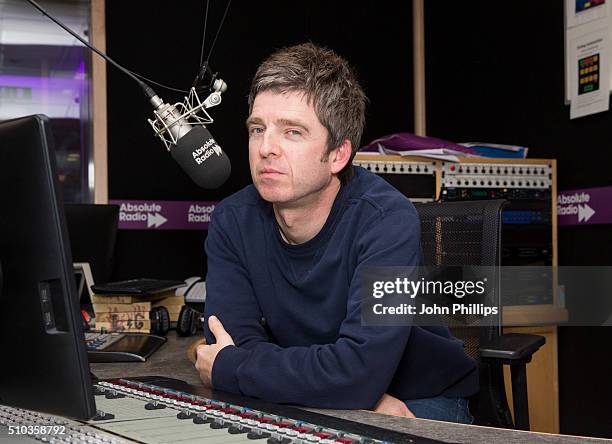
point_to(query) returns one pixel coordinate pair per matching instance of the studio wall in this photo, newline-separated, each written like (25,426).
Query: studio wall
(495,73)
(162,42)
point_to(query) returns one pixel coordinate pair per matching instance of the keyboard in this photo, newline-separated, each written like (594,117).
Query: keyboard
(121,347)
(137,286)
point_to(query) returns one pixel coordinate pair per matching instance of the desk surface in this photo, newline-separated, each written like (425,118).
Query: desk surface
(171,361)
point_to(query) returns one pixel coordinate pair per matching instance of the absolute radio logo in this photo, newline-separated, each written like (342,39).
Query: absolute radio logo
(200,213)
(145,212)
(575,204)
(205,151)
(575,198)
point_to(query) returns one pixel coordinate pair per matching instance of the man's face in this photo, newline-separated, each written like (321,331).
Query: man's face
(286,146)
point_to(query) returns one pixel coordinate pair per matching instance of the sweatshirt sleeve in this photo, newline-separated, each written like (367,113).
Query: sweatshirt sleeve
(352,372)
(234,302)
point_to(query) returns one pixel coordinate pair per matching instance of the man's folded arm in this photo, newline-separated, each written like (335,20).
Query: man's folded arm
(234,301)
(351,373)
(354,371)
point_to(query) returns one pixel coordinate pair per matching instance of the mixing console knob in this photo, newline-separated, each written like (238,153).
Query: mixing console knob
(219,424)
(202,419)
(279,440)
(185,414)
(154,405)
(114,394)
(237,429)
(258,435)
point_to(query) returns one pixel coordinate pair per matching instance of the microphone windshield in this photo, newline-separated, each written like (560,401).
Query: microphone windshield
(201,158)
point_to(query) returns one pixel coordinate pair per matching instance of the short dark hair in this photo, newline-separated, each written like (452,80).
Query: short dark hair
(328,81)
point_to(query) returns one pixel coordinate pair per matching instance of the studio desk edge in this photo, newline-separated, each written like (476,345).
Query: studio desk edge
(171,361)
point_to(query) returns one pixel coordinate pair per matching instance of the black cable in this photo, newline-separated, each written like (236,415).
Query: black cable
(204,33)
(218,31)
(146,88)
(135,76)
(161,85)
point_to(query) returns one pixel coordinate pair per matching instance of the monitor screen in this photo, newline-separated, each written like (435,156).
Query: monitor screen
(84,219)
(44,365)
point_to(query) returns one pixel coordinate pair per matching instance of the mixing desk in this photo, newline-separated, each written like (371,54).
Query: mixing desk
(141,411)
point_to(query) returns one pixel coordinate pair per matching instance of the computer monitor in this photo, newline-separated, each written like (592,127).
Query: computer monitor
(44,365)
(92,231)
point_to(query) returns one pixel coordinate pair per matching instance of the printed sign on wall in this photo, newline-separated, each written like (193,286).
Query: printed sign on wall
(164,214)
(587,206)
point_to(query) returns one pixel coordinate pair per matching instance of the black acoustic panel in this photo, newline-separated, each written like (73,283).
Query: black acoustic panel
(469,105)
(139,165)
(585,366)
(170,254)
(377,41)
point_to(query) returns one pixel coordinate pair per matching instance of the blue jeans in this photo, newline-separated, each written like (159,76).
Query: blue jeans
(441,408)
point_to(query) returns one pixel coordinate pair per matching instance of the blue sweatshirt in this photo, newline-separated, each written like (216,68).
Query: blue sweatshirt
(312,349)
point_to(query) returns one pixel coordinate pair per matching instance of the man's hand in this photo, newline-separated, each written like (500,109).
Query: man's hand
(388,405)
(206,354)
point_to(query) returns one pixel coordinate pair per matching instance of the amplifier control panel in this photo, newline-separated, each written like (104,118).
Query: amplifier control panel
(397,167)
(493,175)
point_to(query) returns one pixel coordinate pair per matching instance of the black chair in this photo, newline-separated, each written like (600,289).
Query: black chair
(469,233)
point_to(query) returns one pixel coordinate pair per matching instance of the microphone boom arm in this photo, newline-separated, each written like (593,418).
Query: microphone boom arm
(195,151)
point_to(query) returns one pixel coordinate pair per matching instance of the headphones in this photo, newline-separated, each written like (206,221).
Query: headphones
(189,319)
(160,321)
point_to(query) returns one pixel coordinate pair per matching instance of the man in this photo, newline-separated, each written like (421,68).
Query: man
(285,256)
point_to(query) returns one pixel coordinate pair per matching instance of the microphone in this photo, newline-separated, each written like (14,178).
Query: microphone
(202,158)
(182,129)
(181,126)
